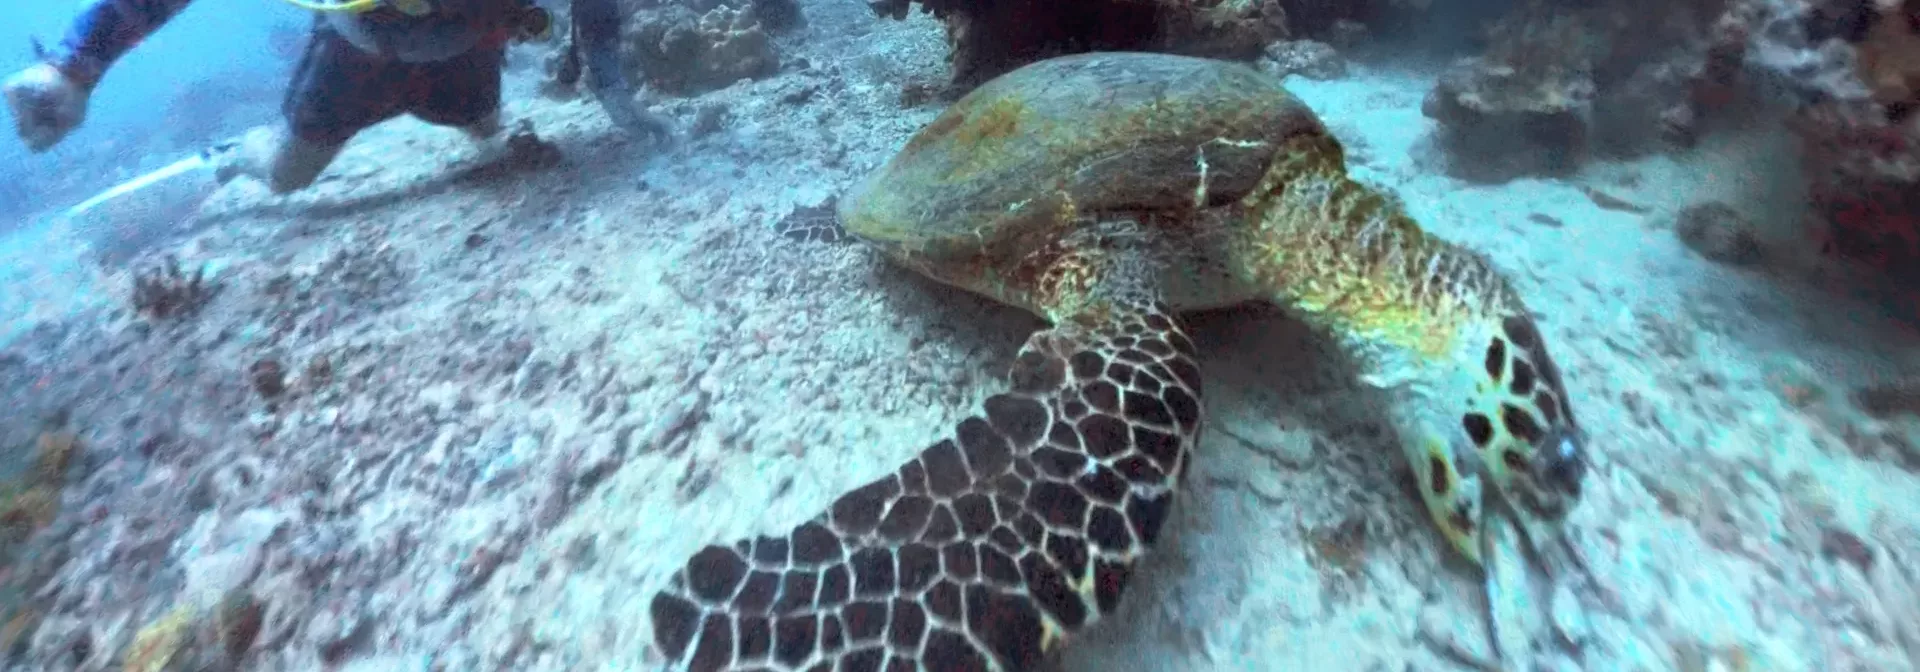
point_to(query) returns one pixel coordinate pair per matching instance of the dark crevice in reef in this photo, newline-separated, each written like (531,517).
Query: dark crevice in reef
(990,37)
(993,36)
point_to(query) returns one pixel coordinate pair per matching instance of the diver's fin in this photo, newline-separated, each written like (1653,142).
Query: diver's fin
(596,33)
(196,162)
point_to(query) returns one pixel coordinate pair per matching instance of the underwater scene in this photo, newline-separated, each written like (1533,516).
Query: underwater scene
(960,335)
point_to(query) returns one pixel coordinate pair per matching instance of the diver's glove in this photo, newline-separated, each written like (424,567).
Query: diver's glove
(46,103)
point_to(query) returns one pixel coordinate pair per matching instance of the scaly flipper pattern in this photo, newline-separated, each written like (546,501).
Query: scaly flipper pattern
(991,547)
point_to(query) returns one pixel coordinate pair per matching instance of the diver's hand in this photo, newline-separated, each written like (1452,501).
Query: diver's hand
(47,104)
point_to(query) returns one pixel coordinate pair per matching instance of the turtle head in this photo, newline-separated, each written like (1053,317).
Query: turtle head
(1520,422)
(1499,418)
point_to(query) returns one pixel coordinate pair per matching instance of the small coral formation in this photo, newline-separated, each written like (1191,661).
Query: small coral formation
(1225,28)
(1718,232)
(1307,58)
(777,15)
(30,501)
(708,120)
(1497,121)
(1888,61)
(268,377)
(522,150)
(1522,106)
(156,644)
(189,637)
(687,48)
(990,37)
(163,292)
(1559,83)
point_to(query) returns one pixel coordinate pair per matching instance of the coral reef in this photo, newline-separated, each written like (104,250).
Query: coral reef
(689,48)
(989,37)
(1857,66)
(1559,82)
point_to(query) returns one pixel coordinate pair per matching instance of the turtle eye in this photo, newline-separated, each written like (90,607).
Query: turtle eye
(1562,465)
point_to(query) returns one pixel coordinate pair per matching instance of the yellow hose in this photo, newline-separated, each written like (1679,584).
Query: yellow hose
(408,7)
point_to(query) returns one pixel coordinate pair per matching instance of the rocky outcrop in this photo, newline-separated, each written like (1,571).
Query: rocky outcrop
(1856,66)
(687,48)
(1558,84)
(1561,82)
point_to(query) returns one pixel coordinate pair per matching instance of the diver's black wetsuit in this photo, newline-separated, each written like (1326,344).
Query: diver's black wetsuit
(339,88)
(364,68)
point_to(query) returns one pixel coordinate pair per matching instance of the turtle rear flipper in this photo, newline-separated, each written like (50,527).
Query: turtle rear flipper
(988,549)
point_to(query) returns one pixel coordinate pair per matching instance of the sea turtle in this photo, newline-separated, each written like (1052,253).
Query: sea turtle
(1105,192)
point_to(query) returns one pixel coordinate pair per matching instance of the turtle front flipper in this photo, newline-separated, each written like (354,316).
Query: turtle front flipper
(1435,324)
(988,549)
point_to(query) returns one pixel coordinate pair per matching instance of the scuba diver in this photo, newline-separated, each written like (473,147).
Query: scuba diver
(366,61)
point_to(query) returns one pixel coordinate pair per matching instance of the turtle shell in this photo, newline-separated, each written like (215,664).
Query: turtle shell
(1048,144)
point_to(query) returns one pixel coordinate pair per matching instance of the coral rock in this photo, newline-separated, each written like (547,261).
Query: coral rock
(677,51)
(157,643)
(1719,233)
(1559,82)
(1307,58)
(1497,121)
